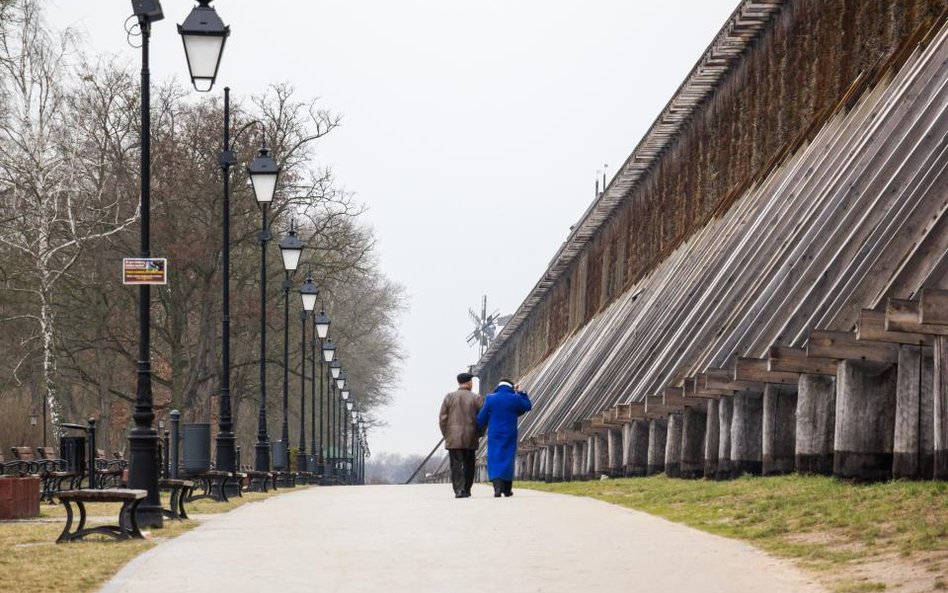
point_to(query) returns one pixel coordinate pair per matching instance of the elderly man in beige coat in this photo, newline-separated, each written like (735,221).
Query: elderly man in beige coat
(459,426)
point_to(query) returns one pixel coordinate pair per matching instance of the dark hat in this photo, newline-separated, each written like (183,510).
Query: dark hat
(506,380)
(464,378)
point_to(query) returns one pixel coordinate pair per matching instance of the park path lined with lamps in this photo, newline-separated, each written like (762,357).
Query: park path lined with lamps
(421,539)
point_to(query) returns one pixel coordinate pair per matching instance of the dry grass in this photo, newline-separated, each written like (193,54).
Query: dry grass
(31,561)
(890,536)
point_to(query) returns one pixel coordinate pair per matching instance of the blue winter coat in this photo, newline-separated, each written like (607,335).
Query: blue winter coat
(499,414)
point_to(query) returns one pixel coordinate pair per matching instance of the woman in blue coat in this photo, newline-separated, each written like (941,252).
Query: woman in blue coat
(499,414)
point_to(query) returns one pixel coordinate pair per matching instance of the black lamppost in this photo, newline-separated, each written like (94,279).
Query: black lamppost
(204,35)
(329,357)
(308,294)
(143,439)
(340,384)
(321,332)
(290,250)
(263,172)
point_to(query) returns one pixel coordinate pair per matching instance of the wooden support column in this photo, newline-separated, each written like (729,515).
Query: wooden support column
(538,464)
(941,408)
(600,455)
(557,463)
(913,445)
(590,457)
(711,439)
(579,461)
(549,463)
(657,431)
(626,448)
(725,408)
(816,424)
(779,429)
(673,446)
(567,462)
(746,420)
(865,419)
(693,424)
(638,454)
(613,439)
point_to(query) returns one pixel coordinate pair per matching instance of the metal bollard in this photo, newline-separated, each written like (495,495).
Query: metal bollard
(173,457)
(92,452)
(166,466)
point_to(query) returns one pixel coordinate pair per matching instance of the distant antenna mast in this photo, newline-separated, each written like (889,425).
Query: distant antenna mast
(605,169)
(598,172)
(485,327)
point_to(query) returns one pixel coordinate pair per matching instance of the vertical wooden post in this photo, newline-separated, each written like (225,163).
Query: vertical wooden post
(712,432)
(779,429)
(913,446)
(725,408)
(638,442)
(816,424)
(657,432)
(746,420)
(673,446)
(865,420)
(557,463)
(691,465)
(940,408)
(614,452)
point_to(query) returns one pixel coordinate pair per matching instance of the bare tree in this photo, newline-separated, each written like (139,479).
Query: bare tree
(56,164)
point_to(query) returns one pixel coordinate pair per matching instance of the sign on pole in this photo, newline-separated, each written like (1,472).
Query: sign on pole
(145,270)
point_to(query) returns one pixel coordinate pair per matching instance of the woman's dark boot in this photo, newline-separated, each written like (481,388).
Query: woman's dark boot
(498,487)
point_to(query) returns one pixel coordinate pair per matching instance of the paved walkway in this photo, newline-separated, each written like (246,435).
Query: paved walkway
(419,539)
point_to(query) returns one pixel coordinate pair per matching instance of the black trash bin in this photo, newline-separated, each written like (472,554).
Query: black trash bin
(73,451)
(197,448)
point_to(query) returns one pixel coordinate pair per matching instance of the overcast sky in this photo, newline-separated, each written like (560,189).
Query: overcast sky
(472,131)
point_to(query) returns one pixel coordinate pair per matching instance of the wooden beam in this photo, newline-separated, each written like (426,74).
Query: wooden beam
(755,370)
(871,327)
(723,380)
(795,360)
(934,307)
(903,315)
(844,345)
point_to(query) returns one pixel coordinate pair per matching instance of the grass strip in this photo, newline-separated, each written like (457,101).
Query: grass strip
(823,523)
(30,560)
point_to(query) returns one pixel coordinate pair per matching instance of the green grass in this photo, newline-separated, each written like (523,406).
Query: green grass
(828,526)
(30,560)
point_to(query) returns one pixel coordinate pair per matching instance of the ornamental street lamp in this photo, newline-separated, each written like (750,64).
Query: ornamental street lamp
(308,294)
(204,35)
(321,331)
(290,250)
(340,382)
(143,440)
(264,173)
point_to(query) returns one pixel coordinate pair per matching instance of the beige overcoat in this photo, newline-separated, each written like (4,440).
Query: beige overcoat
(459,419)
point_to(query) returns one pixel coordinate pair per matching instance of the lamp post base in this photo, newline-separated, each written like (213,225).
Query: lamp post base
(226,460)
(261,464)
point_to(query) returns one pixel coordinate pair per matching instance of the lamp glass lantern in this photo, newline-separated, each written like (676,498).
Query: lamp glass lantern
(341,380)
(204,35)
(322,325)
(329,352)
(335,367)
(308,293)
(291,248)
(263,172)
(345,394)
(33,418)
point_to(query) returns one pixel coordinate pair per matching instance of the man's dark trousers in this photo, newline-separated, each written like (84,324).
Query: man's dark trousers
(462,470)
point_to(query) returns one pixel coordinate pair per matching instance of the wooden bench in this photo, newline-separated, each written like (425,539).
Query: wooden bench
(109,472)
(212,484)
(179,492)
(127,519)
(260,481)
(51,472)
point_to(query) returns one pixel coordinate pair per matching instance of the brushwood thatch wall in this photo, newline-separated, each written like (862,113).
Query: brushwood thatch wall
(811,58)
